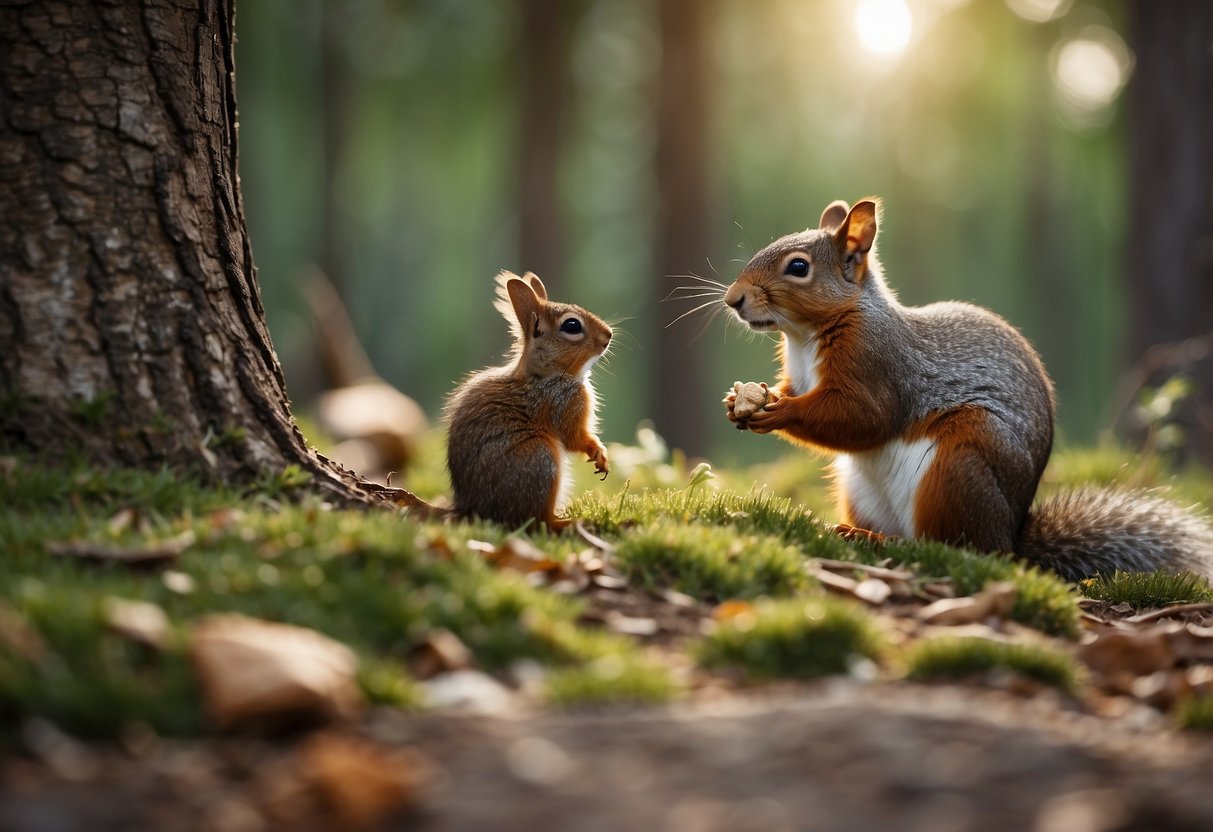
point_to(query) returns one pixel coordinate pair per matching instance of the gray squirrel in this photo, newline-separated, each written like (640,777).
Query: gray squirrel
(941,416)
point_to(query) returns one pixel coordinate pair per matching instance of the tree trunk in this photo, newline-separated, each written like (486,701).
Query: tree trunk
(683,222)
(543,52)
(131,325)
(1170,247)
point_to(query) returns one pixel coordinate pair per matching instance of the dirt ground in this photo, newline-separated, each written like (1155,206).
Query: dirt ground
(836,755)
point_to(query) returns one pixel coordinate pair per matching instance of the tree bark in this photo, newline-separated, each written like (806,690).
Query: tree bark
(543,52)
(131,325)
(683,221)
(1170,247)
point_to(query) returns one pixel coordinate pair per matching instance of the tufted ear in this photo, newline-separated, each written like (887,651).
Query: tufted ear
(504,302)
(540,291)
(833,216)
(855,236)
(525,302)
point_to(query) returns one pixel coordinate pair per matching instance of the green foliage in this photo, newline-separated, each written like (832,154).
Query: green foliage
(611,680)
(93,412)
(375,581)
(1195,713)
(1147,589)
(712,562)
(1042,601)
(949,657)
(795,638)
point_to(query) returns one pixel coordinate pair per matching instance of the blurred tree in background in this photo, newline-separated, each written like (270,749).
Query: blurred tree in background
(415,147)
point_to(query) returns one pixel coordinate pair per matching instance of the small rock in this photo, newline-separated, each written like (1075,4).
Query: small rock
(255,672)
(468,690)
(139,621)
(440,652)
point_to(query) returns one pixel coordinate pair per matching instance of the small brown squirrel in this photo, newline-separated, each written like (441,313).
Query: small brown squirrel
(509,426)
(941,417)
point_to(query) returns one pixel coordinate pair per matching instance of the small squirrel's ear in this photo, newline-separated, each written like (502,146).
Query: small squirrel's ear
(855,236)
(525,303)
(834,214)
(504,304)
(537,285)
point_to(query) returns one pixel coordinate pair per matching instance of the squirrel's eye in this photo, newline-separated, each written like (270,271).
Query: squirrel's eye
(572,326)
(798,267)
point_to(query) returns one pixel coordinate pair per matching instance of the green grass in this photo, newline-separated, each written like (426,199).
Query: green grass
(379,582)
(949,657)
(712,562)
(801,638)
(1195,713)
(611,680)
(1147,589)
(373,580)
(1042,600)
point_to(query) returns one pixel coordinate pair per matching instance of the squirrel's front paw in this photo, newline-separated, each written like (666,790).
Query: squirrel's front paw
(769,417)
(597,454)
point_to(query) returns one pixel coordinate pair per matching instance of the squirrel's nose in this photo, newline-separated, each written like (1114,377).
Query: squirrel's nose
(738,303)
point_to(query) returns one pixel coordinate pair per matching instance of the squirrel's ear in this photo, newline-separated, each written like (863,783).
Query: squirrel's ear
(537,285)
(504,304)
(525,302)
(854,238)
(833,216)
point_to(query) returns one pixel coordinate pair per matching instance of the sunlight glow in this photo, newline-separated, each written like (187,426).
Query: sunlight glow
(1039,11)
(883,26)
(1091,70)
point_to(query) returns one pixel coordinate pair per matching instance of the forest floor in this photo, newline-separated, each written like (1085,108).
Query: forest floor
(700,655)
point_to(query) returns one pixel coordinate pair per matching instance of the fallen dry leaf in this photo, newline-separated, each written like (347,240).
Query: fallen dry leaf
(122,520)
(337,781)
(163,552)
(139,621)
(516,553)
(995,601)
(1191,643)
(732,609)
(1161,689)
(441,651)
(19,636)
(1168,612)
(1120,656)
(263,674)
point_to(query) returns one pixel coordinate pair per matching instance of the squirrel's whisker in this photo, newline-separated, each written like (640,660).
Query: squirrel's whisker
(704,305)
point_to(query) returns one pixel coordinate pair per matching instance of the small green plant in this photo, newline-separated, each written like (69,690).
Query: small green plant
(1147,589)
(1195,713)
(94,411)
(611,680)
(712,562)
(801,638)
(950,657)
(1043,601)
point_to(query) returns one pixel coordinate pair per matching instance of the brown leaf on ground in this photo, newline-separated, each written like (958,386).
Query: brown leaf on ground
(18,635)
(261,674)
(995,601)
(516,553)
(732,609)
(337,781)
(440,652)
(151,555)
(139,621)
(1191,643)
(1118,657)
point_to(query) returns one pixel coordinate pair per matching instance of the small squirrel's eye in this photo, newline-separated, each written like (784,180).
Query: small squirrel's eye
(797,267)
(572,326)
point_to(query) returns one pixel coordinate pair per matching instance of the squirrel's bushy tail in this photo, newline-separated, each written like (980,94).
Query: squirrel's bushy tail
(1099,531)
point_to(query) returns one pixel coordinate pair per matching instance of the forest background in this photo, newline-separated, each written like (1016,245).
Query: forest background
(411,149)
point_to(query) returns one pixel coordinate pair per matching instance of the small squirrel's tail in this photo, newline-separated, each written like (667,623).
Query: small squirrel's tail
(1100,531)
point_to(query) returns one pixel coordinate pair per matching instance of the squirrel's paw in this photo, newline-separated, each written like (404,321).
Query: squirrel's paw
(597,454)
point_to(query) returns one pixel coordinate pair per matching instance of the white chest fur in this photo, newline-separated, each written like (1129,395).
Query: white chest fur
(800,362)
(881,484)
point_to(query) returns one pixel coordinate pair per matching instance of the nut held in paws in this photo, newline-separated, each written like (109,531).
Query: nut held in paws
(751,397)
